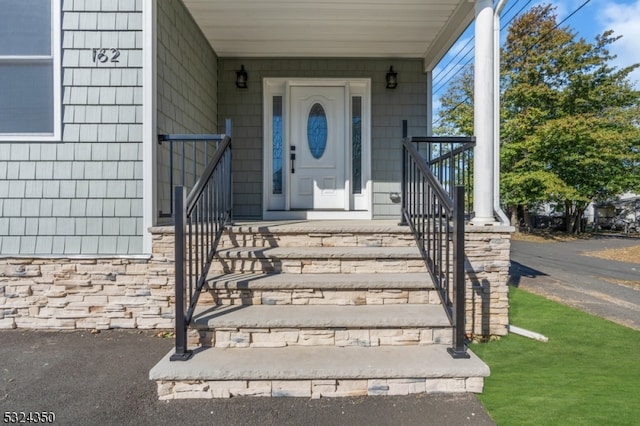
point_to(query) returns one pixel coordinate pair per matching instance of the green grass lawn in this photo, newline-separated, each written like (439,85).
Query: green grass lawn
(587,374)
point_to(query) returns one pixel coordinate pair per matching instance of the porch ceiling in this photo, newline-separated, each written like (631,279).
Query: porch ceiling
(333,28)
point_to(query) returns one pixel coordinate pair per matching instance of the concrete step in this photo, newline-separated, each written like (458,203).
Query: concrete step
(317,289)
(315,260)
(320,325)
(318,372)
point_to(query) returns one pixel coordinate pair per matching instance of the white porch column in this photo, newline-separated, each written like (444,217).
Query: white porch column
(483,115)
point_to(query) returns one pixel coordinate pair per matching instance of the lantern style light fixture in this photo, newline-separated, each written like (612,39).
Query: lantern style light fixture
(392,78)
(241,78)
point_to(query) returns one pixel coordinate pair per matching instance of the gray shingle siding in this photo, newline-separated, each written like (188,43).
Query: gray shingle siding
(83,195)
(389,107)
(62,198)
(187,70)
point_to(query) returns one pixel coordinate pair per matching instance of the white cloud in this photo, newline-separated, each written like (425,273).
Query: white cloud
(437,105)
(623,19)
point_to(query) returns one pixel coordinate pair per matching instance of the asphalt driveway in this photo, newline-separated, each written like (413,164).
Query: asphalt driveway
(561,271)
(102,379)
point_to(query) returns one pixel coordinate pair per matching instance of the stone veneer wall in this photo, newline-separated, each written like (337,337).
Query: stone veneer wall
(102,293)
(487,274)
(86,292)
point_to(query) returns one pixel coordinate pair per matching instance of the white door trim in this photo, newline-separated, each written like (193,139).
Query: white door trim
(277,206)
(149,127)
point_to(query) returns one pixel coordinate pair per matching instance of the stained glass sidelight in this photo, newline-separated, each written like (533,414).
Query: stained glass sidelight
(356,143)
(277,145)
(317,131)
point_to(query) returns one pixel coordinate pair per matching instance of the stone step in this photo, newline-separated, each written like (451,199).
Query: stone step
(318,234)
(362,281)
(322,316)
(317,289)
(318,308)
(314,260)
(321,325)
(316,372)
(232,239)
(319,227)
(319,252)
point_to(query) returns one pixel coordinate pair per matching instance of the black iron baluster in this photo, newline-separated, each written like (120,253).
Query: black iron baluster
(435,216)
(200,219)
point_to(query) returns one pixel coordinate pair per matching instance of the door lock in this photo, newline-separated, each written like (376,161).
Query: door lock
(292,156)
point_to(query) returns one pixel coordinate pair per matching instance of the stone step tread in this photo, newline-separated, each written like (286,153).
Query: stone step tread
(283,281)
(314,362)
(321,227)
(319,253)
(320,316)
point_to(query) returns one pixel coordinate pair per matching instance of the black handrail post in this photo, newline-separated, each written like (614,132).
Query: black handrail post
(181,353)
(228,129)
(171,203)
(458,349)
(230,183)
(403,181)
(403,189)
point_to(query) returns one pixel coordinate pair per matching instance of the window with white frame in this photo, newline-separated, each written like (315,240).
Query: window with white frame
(29,69)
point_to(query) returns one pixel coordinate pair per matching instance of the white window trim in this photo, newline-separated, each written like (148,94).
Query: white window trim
(56,51)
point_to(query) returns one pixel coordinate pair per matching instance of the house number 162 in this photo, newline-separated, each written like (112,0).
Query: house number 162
(101,56)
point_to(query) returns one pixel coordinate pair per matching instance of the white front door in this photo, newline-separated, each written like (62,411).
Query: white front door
(317,148)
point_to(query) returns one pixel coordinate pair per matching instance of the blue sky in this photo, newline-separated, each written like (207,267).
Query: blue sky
(593,18)
(622,16)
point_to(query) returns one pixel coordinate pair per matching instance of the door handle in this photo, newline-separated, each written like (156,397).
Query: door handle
(292,156)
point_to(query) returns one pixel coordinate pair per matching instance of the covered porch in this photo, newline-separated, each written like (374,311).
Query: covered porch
(297,52)
(366,262)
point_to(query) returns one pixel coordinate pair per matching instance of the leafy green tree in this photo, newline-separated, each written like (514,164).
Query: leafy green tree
(569,120)
(456,113)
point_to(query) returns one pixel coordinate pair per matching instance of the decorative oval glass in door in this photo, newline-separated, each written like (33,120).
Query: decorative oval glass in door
(317,131)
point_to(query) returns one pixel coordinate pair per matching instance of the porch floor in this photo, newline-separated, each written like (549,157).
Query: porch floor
(327,226)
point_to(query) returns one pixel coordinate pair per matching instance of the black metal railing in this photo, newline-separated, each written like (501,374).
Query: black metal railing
(182,162)
(450,159)
(436,219)
(200,218)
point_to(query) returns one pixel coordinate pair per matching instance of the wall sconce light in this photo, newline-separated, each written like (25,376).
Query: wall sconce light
(241,78)
(392,78)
